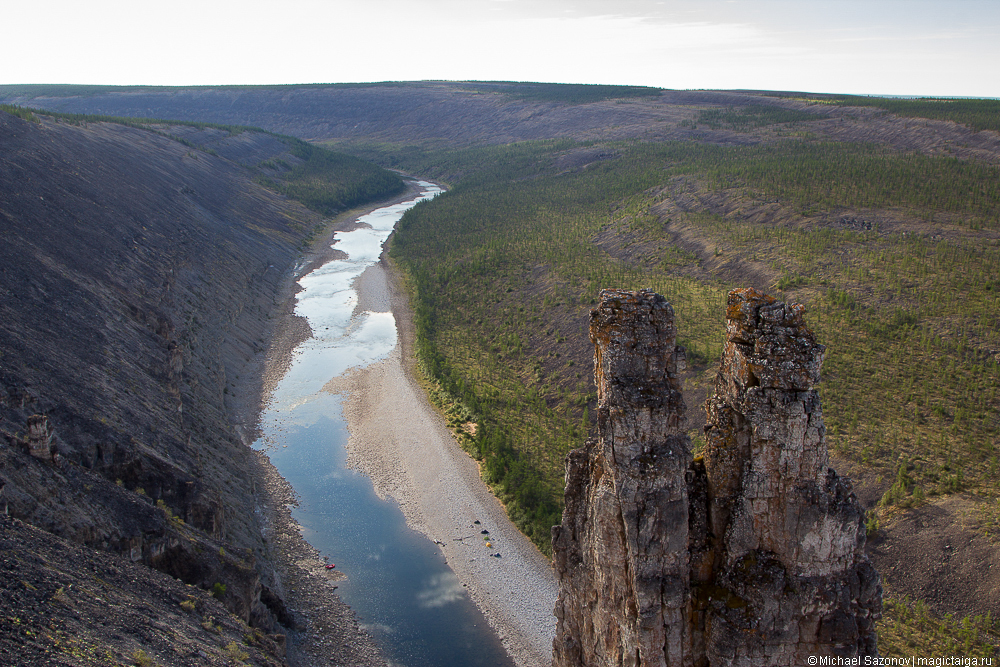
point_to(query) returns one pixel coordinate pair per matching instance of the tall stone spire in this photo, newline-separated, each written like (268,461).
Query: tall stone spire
(751,556)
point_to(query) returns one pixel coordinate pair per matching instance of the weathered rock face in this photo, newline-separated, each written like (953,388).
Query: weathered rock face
(39,439)
(622,548)
(751,556)
(787,532)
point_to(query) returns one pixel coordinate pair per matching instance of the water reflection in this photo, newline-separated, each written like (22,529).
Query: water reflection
(398,582)
(439,590)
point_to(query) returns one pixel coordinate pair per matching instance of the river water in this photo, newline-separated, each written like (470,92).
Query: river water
(398,582)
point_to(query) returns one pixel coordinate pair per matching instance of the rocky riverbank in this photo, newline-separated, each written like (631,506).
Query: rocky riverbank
(325,630)
(403,444)
(400,441)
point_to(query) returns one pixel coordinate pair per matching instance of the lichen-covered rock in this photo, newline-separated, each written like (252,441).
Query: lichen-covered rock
(788,532)
(751,556)
(621,551)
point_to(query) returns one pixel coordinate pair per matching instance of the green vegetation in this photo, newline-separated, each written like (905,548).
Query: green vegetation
(143,659)
(325,181)
(330,182)
(235,653)
(171,517)
(893,254)
(143,123)
(73,90)
(20,112)
(567,93)
(987,514)
(750,117)
(816,176)
(820,176)
(976,113)
(909,628)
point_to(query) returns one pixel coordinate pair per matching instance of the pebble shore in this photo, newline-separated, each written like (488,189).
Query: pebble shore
(399,440)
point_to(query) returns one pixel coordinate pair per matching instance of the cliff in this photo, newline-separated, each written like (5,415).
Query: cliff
(138,276)
(752,555)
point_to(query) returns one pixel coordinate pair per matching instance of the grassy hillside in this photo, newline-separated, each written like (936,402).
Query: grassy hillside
(904,294)
(896,256)
(978,114)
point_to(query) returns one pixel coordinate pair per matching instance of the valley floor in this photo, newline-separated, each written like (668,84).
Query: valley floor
(326,630)
(403,444)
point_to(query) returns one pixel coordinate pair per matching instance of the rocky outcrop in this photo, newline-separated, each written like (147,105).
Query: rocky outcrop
(752,555)
(66,604)
(39,441)
(621,551)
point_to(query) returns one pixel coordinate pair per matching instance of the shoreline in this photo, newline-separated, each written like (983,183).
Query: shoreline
(399,440)
(327,631)
(290,330)
(436,484)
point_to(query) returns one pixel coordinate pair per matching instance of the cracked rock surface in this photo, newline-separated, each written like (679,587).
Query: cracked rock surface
(751,555)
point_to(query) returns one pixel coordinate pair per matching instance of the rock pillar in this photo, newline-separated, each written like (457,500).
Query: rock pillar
(621,551)
(40,437)
(788,533)
(750,556)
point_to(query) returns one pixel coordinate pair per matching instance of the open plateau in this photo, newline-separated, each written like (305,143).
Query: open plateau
(462,373)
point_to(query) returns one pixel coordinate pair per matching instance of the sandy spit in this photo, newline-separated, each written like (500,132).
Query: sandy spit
(399,440)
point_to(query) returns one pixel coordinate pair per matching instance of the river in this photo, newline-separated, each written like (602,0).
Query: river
(398,581)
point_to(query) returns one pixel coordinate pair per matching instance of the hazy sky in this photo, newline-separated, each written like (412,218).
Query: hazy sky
(897,47)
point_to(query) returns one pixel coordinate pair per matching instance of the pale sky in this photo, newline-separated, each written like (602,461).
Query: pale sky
(893,47)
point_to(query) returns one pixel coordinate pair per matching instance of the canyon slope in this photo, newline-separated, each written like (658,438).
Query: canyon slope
(139,274)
